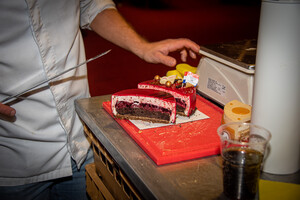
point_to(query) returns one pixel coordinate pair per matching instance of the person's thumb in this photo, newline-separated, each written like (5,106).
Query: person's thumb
(167,60)
(7,110)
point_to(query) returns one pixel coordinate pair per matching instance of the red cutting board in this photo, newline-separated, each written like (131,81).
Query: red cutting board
(178,142)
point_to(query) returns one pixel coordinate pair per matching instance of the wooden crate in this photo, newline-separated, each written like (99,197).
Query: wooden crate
(109,174)
(94,185)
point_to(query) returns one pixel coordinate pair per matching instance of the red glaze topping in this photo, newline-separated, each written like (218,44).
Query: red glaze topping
(177,86)
(146,93)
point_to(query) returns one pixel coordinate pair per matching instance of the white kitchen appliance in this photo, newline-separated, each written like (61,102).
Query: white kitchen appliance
(226,71)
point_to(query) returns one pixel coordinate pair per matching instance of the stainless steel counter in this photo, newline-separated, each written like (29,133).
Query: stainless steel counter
(194,179)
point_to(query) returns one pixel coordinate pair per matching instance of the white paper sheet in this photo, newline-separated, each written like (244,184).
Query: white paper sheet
(179,120)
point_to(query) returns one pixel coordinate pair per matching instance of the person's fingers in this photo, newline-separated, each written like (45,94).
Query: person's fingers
(168,60)
(185,47)
(183,54)
(12,113)
(192,54)
(7,110)
(184,44)
(158,52)
(161,57)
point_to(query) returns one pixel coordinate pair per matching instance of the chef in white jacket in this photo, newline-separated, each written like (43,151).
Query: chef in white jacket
(43,149)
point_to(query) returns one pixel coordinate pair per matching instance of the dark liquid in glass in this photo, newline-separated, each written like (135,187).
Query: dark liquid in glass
(241,171)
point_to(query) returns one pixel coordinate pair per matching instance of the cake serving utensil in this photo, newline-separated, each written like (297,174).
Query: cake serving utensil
(3,101)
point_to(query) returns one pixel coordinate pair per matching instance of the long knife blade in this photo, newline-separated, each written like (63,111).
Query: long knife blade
(3,101)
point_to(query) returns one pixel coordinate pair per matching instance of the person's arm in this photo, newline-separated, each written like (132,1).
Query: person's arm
(110,25)
(7,110)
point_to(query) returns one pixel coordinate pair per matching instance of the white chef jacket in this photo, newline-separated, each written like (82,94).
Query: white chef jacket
(38,40)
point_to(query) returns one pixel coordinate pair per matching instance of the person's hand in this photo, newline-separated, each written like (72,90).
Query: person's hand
(7,110)
(158,52)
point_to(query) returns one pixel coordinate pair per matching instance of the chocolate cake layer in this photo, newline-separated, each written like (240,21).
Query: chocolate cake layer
(148,105)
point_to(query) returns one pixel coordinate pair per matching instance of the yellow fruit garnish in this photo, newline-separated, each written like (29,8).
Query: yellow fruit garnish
(183,67)
(174,72)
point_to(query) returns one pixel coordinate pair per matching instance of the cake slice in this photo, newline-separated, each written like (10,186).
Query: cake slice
(185,96)
(146,105)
